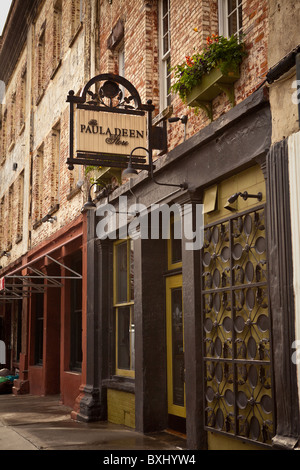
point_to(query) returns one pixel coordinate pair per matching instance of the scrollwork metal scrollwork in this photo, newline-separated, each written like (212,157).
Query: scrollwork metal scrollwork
(241,319)
(110,95)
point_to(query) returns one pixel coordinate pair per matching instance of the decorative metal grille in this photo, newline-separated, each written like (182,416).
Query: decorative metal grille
(236,325)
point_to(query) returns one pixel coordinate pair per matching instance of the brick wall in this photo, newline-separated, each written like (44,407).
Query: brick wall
(64,70)
(84,52)
(13,136)
(141,49)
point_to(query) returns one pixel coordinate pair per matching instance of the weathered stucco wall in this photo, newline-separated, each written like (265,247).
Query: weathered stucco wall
(284,17)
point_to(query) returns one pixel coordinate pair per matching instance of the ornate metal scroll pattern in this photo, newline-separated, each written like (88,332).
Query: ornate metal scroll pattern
(236,325)
(110,95)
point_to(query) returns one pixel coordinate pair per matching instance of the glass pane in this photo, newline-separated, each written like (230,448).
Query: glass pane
(123,338)
(121,266)
(165,25)
(231,6)
(165,43)
(168,81)
(165,6)
(177,348)
(232,24)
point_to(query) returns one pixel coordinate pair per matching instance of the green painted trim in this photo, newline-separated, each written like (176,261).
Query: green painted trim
(210,87)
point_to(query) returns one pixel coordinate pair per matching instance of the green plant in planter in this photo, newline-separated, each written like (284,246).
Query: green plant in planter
(225,54)
(104,175)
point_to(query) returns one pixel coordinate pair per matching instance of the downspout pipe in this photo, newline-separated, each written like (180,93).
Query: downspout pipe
(283,66)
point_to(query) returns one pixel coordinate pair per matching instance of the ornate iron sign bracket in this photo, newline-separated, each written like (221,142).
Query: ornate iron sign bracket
(115,96)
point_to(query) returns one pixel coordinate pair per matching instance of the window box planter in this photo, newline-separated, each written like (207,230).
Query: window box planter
(211,85)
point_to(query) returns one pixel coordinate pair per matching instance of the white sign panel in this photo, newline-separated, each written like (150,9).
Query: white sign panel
(110,133)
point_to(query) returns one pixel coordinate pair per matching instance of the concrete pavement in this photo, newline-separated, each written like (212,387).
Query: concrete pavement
(41,423)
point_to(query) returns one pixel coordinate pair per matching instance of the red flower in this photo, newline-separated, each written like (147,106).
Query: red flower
(189,61)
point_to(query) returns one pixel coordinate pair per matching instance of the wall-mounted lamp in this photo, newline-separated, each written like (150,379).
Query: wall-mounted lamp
(89,204)
(15,166)
(130,172)
(183,119)
(245,195)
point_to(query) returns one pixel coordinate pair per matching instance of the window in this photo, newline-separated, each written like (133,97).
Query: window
(76,317)
(20,211)
(164,53)
(12,118)
(55,165)
(39,329)
(4,138)
(230,18)
(9,218)
(41,65)
(76,17)
(38,185)
(57,33)
(23,99)
(124,307)
(121,60)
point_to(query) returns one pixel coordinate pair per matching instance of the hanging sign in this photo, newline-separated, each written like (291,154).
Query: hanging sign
(109,125)
(109,133)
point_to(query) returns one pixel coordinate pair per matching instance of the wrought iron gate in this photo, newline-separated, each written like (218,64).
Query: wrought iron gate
(236,328)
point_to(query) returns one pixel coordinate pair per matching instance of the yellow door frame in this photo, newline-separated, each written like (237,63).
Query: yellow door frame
(172,282)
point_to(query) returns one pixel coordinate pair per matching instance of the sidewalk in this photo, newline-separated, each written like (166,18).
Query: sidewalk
(29,422)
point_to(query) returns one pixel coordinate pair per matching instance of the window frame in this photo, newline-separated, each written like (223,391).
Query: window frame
(57,34)
(164,57)
(76,20)
(3,137)
(20,210)
(22,111)
(39,184)
(12,120)
(118,305)
(223,18)
(55,173)
(41,65)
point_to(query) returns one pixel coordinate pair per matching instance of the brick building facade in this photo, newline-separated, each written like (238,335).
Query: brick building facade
(214,315)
